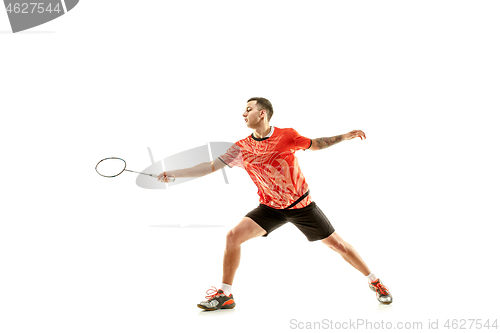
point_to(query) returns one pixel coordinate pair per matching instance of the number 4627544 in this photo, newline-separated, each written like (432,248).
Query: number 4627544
(32,8)
(469,324)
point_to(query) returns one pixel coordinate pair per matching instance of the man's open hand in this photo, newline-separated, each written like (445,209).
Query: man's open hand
(355,134)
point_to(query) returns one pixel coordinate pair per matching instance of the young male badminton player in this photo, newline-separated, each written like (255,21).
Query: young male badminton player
(268,156)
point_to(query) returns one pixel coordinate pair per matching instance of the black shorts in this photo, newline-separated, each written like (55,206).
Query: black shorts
(310,220)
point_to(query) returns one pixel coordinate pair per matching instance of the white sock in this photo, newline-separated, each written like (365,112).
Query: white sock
(226,288)
(371,277)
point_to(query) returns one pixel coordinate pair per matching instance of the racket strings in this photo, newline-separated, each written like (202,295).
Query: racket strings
(111,167)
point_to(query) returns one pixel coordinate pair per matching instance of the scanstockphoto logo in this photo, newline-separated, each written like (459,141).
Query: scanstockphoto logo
(25,15)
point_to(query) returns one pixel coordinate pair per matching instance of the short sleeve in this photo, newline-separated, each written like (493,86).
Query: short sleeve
(301,142)
(233,157)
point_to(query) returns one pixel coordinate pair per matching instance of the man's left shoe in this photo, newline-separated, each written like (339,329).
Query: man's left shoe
(383,294)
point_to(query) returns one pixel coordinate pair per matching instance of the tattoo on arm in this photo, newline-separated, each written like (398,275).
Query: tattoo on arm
(323,143)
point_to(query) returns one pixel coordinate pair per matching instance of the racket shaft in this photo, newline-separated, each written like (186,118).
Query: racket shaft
(146,174)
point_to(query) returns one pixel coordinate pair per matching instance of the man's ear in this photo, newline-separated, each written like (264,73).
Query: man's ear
(263,113)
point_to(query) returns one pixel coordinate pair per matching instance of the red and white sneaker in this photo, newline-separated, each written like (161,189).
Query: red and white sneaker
(216,300)
(383,294)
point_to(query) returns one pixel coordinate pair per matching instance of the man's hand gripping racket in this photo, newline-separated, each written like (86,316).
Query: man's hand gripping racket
(165,178)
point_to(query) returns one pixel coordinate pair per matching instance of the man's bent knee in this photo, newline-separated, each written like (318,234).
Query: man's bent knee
(232,239)
(245,230)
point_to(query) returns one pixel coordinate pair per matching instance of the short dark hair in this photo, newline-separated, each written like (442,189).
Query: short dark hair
(263,104)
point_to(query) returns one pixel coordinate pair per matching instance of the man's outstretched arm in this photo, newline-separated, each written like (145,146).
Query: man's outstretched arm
(322,143)
(199,170)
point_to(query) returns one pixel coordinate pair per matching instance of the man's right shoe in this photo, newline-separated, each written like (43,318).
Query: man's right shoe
(216,300)
(383,294)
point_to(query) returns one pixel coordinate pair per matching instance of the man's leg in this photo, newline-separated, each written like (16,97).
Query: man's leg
(223,299)
(245,230)
(336,243)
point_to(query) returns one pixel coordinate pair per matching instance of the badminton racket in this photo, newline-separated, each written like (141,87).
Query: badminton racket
(111,167)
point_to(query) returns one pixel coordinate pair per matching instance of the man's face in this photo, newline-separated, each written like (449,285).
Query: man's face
(252,114)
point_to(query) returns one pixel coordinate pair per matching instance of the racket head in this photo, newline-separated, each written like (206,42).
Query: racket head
(110,170)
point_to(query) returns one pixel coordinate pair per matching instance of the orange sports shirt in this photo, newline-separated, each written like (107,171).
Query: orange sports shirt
(273,167)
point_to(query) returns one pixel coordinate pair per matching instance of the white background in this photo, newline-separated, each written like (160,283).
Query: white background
(418,199)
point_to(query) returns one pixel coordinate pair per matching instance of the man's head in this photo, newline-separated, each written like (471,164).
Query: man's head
(263,104)
(258,109)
